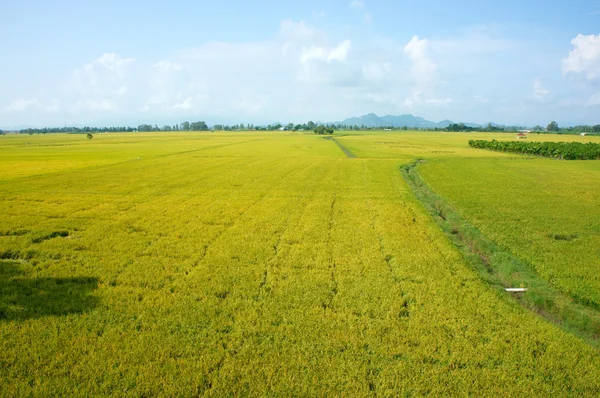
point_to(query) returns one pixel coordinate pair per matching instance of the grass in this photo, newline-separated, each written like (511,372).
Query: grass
(252,264)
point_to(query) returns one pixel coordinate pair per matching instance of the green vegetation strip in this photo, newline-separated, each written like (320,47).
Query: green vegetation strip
(501,269)
(347,151)
(559,150)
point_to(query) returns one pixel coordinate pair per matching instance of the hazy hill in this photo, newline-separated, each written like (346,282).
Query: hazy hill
(372,120)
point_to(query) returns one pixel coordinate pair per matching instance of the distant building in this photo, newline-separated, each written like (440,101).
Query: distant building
(521,136)
(583,134)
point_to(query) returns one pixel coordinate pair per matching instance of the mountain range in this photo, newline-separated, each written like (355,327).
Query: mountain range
(372,120)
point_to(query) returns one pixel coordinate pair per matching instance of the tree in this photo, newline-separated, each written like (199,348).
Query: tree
(290,126)
(310,125)
(185,126)
(198,126)
(553,126)
(596,128)
(320,129)
(89,136)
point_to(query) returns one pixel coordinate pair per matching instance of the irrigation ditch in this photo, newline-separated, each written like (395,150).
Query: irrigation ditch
(501,269)
(346,151)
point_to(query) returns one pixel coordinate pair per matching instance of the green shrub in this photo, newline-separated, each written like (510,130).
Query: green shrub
(559,150)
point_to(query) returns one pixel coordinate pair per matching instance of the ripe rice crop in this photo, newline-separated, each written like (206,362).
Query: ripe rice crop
(545,211)
(223,264)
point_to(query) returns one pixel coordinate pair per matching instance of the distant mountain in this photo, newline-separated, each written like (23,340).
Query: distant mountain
(372,120)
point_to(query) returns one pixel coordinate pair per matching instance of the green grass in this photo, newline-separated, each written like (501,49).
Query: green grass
(252,264)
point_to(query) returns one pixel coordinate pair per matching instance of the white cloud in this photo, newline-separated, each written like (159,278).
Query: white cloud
(594,99)
(102,104)
(423,70)
(164,83)
(53,106)
(122,90)
(584,59)
(381,98)
(301,31)
(413,99)
(471,43)
(376,70)
(571,103)
(21,104)
(357,4)
(185,104)
(360,5)
(101,85)
(112,62)
(167,66)
(105,76)
(252,104)
(438,101)
(337,53)
(539,90)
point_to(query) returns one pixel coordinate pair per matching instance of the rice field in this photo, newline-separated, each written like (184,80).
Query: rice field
(546,211)
(220,264)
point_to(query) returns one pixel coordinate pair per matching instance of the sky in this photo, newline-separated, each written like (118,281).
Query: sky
(105,63)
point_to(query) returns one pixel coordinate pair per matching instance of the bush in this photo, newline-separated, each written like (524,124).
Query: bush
(559,150)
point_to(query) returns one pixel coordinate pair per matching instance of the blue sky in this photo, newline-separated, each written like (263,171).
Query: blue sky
(117,62)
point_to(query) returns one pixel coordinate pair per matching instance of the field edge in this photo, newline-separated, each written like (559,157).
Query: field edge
(501,269)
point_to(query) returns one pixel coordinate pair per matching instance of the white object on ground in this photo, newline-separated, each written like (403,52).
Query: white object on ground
(516,289)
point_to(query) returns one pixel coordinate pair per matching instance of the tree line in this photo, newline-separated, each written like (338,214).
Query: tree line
(309,126)
(185,126)
(45,130)
(553,127)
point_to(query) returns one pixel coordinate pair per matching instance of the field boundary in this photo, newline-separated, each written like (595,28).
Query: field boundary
(346,151)
(501,269)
